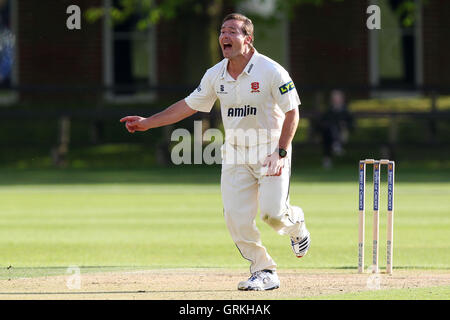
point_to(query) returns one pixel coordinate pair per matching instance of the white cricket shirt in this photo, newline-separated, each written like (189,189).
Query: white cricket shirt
(253,103)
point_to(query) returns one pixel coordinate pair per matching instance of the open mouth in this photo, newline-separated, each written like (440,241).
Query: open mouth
(227,46)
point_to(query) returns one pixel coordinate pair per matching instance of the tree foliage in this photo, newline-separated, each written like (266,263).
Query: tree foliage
(152,12)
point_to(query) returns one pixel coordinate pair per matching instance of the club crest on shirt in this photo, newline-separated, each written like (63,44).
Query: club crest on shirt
(255,87)
(287,87)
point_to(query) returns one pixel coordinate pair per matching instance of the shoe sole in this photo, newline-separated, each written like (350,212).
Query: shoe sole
(258,289)
(309,245)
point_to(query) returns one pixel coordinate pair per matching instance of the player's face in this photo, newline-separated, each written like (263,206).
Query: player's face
(232,39)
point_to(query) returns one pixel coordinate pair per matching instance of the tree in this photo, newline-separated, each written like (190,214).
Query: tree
(153,11)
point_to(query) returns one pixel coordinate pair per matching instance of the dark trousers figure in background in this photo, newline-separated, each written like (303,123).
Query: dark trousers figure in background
(335,125)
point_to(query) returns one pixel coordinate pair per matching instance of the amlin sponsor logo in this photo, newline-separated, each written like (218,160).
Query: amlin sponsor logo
(241,112)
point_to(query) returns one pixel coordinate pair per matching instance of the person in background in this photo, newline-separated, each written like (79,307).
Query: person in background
(335,124)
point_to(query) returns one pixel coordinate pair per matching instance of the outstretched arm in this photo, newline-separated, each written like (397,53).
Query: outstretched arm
(176,112)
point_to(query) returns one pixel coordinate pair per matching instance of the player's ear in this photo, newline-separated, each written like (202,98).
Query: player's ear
(248,40)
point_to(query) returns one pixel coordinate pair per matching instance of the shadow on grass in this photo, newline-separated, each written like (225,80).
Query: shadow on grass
(33,272)
(112,292)
(200,174)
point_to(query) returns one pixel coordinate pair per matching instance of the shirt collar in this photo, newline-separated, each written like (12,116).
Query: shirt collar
(251,64)
(223,72)
(248,68)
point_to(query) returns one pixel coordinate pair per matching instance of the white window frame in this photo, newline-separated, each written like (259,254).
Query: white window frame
(13,96)
(108,62)
(373,46)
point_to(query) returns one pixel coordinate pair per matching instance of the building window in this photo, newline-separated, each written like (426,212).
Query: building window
(7,52)
(396,58)
(130,59)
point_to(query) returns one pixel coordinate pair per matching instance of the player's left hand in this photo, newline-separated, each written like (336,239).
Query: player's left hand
(274,163)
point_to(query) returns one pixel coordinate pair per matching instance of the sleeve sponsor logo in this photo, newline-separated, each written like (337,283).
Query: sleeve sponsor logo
(286,87)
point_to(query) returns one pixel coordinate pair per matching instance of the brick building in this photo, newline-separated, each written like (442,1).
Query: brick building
(327,45)
(331,45)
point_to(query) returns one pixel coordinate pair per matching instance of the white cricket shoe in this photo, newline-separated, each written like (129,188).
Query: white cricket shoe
(301,243)
(261,280)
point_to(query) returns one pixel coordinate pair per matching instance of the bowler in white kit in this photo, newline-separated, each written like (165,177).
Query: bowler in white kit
(259,106)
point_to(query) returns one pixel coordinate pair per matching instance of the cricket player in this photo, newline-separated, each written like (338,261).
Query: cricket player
(256,95)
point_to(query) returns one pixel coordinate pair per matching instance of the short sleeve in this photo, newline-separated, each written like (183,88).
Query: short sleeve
(284,91)
(203,97)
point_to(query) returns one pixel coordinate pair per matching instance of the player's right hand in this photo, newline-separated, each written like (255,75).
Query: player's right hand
(135,123)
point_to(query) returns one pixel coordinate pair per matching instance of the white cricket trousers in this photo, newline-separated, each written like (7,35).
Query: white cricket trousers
(244,189)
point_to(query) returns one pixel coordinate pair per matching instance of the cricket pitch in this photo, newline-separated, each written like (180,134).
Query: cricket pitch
(213,284)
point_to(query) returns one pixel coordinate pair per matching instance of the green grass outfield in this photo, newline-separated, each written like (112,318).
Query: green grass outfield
(173,218)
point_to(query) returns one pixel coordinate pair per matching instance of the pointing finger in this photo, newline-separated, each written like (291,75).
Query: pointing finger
(128,118)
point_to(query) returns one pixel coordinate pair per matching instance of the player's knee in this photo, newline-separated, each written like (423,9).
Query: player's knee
(272,215)
(274,222)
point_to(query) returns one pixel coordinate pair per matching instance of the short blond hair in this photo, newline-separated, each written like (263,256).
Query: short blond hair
(247,27)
